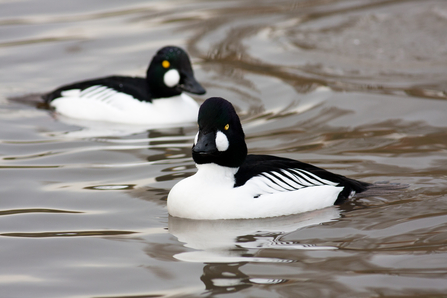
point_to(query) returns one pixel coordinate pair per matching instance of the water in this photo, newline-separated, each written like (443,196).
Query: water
(356,87)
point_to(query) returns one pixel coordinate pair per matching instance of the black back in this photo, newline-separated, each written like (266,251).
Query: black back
(137,87)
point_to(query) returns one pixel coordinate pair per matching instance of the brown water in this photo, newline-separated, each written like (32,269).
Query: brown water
(356,87)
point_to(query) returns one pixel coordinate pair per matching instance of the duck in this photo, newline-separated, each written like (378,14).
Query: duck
(157,99)
(232,184)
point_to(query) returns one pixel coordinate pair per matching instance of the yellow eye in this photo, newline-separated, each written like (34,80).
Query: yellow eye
(227,127)
(165,63)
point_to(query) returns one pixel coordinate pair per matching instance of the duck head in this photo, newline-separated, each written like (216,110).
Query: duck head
(170,73)
(220,139)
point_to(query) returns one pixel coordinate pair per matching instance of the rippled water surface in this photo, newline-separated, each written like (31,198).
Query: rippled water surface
(356,87)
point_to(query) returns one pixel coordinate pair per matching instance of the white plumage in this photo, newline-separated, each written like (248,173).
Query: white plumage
(105,104)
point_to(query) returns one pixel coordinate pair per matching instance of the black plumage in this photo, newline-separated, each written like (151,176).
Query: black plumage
(134,86)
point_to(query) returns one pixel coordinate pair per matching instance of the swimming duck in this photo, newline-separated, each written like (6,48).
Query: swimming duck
(156,99)
(230,184)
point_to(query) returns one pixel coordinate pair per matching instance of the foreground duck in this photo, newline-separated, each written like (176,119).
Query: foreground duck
(230,184)
(156,99)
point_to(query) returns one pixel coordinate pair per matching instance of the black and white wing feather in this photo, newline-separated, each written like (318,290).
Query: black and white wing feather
(275,174)
(291,179)
(101,89)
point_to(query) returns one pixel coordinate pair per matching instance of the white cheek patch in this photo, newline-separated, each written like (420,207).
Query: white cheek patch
(196,138)
(171,78)
(221,141)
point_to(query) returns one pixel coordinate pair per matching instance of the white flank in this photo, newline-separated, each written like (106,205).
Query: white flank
(104,104)
(209,194)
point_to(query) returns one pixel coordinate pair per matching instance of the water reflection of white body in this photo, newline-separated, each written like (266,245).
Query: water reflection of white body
(224,241)
(93,129)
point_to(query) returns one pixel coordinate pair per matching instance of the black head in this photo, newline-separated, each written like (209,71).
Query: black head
(220,139)
(170,73)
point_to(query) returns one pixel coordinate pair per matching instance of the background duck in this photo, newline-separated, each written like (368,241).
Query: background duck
(156,99)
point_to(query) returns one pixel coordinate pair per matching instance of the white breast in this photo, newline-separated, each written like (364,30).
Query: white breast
(104,104)
(209,194)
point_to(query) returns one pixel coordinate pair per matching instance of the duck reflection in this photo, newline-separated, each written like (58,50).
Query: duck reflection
(222,278)
(217,241)
(94,129)
(227,245)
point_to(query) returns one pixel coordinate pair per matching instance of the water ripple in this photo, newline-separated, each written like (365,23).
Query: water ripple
(68,234)
(35,210)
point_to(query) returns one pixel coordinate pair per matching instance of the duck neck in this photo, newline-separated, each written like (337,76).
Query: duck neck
(216,174)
